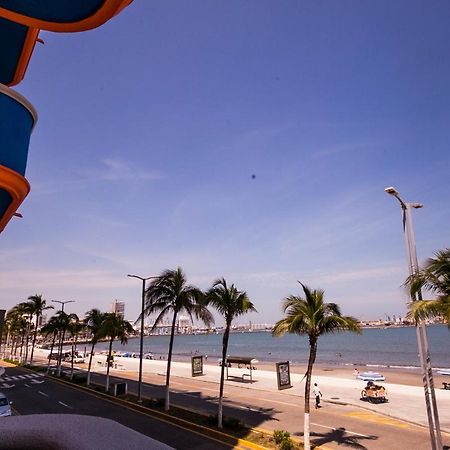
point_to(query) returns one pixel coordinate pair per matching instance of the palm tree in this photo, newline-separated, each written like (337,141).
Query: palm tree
(37,306)
(20,315)
(313,317)
(64,321)
(94,320)
(230,303)
(167,294)
(52,327)
(17,326)
(75,327)
(114,327)
(435,278)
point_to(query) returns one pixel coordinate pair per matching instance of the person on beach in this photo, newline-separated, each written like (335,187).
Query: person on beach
(317,394)
(356,373)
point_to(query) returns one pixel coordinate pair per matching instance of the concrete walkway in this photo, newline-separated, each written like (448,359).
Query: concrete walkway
(405,402)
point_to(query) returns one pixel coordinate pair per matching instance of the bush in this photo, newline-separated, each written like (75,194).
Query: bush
(232,423)
(286,444)
(280,435)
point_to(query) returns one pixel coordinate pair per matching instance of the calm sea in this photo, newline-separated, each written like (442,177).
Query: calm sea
(396,347)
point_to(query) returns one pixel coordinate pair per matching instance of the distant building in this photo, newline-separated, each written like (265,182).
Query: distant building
(118,307)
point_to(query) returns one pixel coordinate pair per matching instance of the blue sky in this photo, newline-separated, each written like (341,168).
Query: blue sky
(151,127)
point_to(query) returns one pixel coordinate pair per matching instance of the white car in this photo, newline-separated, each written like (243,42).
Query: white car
(5,406)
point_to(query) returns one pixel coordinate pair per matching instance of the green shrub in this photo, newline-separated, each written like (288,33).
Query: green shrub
(280,435)
(286,444)
(232,423)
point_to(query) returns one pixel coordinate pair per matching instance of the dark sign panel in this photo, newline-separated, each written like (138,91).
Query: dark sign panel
(283,375)
(120,389)
(197,366)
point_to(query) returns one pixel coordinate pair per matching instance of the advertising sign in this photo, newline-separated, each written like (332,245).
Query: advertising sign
(197,366)
(283,375)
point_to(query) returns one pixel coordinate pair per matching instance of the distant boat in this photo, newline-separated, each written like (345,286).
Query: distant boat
(370,376)
(444,372)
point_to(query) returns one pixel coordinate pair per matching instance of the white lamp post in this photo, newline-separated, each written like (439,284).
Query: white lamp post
(421,330)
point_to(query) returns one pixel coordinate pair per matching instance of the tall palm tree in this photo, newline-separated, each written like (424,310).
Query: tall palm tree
(75,328)
(17,327)
(52,327)
(37,305)
(230,303)
(114,327)
(64,321)
(170,294)
(20,315)
(93,320)
(313,317)
(435,278)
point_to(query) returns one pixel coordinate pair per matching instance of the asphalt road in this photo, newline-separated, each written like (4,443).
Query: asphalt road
(335,426)
(33,394)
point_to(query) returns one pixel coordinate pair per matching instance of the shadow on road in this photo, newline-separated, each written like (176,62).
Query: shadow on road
(340,437)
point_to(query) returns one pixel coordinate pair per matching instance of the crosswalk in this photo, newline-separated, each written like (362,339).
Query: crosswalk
(29,376)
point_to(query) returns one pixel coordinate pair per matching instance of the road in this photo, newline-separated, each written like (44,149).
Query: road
(336,426)
(33,394)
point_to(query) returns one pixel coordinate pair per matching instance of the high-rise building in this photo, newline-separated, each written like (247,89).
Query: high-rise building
(118,307)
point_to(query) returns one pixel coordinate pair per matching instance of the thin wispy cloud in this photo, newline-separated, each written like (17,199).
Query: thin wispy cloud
(48,279)
(116,169)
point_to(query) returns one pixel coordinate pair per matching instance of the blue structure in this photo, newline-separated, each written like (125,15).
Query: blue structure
(20,23)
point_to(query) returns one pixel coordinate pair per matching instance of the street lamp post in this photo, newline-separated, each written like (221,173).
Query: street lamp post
(61,339)
(421,330)
(141,344)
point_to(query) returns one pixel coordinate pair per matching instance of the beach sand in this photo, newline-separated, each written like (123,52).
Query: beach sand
(408,377)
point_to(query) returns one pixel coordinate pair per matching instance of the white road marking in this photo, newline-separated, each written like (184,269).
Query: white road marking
(26,385)
(7,386)
(43,393)
(334,429)
(67,406)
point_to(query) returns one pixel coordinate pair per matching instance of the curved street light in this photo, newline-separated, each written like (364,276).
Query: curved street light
(141,343)
(421,330)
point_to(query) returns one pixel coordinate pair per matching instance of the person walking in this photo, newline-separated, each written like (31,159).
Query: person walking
(317,394)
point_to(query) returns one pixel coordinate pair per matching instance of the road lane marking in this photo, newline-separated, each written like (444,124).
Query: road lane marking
(67,406)
(27,385)
(43,393)
(375,418)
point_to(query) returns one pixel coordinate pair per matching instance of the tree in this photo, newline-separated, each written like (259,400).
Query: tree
(17,327)
(230,303)
(37,306)
(114,327)
(53,327)
(435,278)
(75,327)
(167,294)
(20,321)
(64,321)
(313,317)
(94,321)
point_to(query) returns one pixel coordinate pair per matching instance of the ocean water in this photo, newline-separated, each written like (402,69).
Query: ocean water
(394,347)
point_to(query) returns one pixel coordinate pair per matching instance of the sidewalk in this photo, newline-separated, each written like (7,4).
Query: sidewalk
(405,402)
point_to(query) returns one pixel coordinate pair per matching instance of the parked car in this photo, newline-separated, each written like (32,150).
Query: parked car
(5,406)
